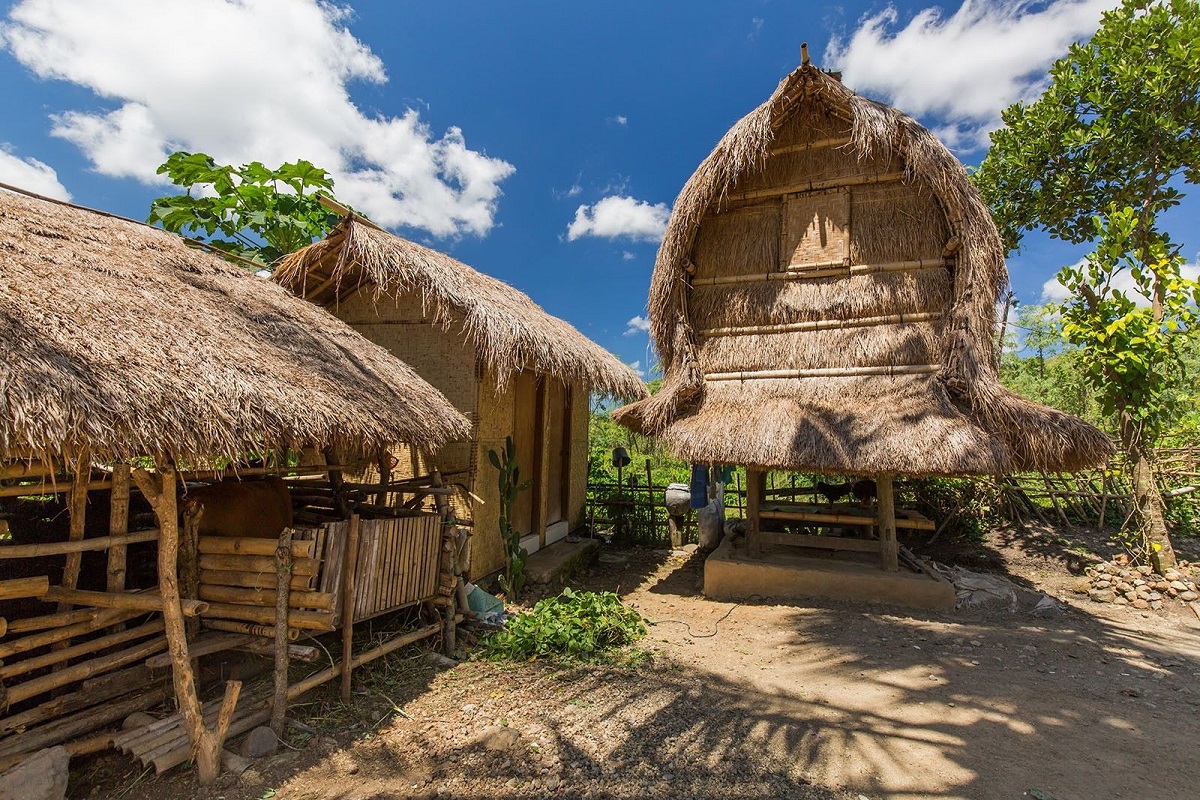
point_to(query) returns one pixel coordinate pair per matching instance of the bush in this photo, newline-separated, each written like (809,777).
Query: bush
(575,626)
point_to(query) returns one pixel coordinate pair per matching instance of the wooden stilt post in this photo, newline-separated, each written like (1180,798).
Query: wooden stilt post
(206,744)
(349,570)
(675,526)
(189,563)
(283,580)
(889,548)
(385,476)
(118,525)
(77,506)
(337,483)
(756,485)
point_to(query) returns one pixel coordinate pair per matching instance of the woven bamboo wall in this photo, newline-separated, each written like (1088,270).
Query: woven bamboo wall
(398,562)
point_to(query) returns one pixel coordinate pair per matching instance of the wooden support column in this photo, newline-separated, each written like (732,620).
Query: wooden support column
(349,575)
(77,506)
(384,459)
(675,527)
(206,744)
(118,526)
(889,548)
(337,483)
(756,488)
(283,580)
(189,563)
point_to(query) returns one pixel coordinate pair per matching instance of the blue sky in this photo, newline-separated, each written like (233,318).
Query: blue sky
(541,142)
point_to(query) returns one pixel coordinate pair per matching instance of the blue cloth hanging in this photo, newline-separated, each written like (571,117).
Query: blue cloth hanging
(724,474)
(699,485)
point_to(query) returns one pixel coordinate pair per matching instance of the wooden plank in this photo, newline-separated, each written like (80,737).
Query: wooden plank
(348,579)
(821,542)
(911,519)
(230,545)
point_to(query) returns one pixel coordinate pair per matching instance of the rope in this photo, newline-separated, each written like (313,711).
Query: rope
(716,625)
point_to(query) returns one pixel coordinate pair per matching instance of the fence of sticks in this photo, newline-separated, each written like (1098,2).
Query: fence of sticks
(634,510)
(89,554)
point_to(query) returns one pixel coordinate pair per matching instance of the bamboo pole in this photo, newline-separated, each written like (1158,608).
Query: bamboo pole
(89,625)
(118,528)
(248,580)
(15,588)
(231,563)
(86,669)
(836,141)
(126,601)
(825,372)
(27,469)
(90,692)
(321,601)
(216,643)
(835,269)
(235,626)
(77,546)
(283,572)
(824,324)
(66,654)
(305,620)
(886,508)
(229,545)
(38,489)
(805,187)
(350,564)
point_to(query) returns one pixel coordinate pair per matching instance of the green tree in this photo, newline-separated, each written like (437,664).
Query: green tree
(250,212)
(1098,158)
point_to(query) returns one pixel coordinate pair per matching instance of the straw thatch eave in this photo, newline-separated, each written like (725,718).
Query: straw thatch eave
(837,424)
(120,340)
(510,331)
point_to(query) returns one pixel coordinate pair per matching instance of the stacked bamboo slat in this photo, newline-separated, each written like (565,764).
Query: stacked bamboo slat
(238,582)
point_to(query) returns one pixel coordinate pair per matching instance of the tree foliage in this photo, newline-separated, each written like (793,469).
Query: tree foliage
(251,212)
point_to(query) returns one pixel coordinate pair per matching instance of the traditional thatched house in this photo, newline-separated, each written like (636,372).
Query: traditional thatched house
(513,369)
(128,356)
(825,300)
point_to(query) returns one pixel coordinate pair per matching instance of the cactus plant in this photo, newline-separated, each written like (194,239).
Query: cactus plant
(513,579)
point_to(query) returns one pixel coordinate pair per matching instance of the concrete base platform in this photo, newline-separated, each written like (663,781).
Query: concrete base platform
(792,573)
(554,564)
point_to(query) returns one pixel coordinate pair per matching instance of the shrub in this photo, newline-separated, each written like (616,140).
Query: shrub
(575,626)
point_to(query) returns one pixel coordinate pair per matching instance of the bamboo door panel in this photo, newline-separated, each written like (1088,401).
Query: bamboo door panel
(398,563)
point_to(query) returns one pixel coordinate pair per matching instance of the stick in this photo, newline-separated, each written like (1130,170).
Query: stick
(66,654)
(230,545)
(306,620)
(142,601)
(15,588)
(350,564)
(105,663)
(322,601)
(283,572)
(77,504)
(118,528)
(265,631)
(93,623)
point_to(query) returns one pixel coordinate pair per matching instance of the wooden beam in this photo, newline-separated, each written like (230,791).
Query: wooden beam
(822,542)
(825,324)
(825,372)
(818,144)
(756,486)
(831,269)
(118,527)
(77,506)
(817,186)
(78,546)
(283,576)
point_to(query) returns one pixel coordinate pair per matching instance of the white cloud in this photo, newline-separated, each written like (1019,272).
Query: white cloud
(628,256)
(966,68)
(620,217)
(638,324)
(756,24)
(1055,292)
(636,366)
(268,82)
(30,174)
(619,119)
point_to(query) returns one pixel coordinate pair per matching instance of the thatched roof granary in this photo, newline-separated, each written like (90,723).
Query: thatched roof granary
(122,340)
(509,330)
(825,297)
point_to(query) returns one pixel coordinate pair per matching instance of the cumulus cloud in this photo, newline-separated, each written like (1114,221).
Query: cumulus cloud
(619,119)
(30,174)
(620,217)
(628,256)
(269,82)
(963,69)
(638,324)
(1055,292)
(636,366)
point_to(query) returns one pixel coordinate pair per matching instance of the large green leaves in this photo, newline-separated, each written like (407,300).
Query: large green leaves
(252,212)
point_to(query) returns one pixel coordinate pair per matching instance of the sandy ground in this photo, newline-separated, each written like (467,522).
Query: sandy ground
(764,700)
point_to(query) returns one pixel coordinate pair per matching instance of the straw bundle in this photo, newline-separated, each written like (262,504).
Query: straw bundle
(824,299)
(510,331)
(120,339)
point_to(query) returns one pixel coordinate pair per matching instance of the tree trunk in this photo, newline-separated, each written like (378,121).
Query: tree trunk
(1147,499)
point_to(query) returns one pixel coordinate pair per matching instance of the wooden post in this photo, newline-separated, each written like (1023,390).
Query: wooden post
(756,486)
(889,548)
(337,483)
(189,563)
(283,579)
(77,505)
(206,745)
(118,525)
(349,569)
(675,526)
(385,476)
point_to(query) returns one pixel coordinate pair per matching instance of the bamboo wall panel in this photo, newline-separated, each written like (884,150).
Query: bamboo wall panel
(398,562)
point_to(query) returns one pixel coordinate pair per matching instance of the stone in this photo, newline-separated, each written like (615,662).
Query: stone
(1179,586)
(259,742)
(1139,582)
(1124,588)
(1145,569)
(1189,596)
(1140,603)
(42,776)
(1172,575)
(1100,595)
(1121,601)
(137,719)
(1082,585)
(499,738)
(1130,595)
(234,763)
(1156,604)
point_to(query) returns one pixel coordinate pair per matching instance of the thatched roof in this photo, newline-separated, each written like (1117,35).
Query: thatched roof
(510,331)
(120,338)
(824,299)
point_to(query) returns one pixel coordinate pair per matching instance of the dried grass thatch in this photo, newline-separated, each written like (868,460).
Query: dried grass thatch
(120,339)
(818,213)
(510,331)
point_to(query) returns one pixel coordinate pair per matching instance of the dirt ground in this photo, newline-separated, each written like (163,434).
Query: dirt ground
(766,700)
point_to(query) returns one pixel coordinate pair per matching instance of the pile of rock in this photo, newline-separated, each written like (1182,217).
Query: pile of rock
(1141,587)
